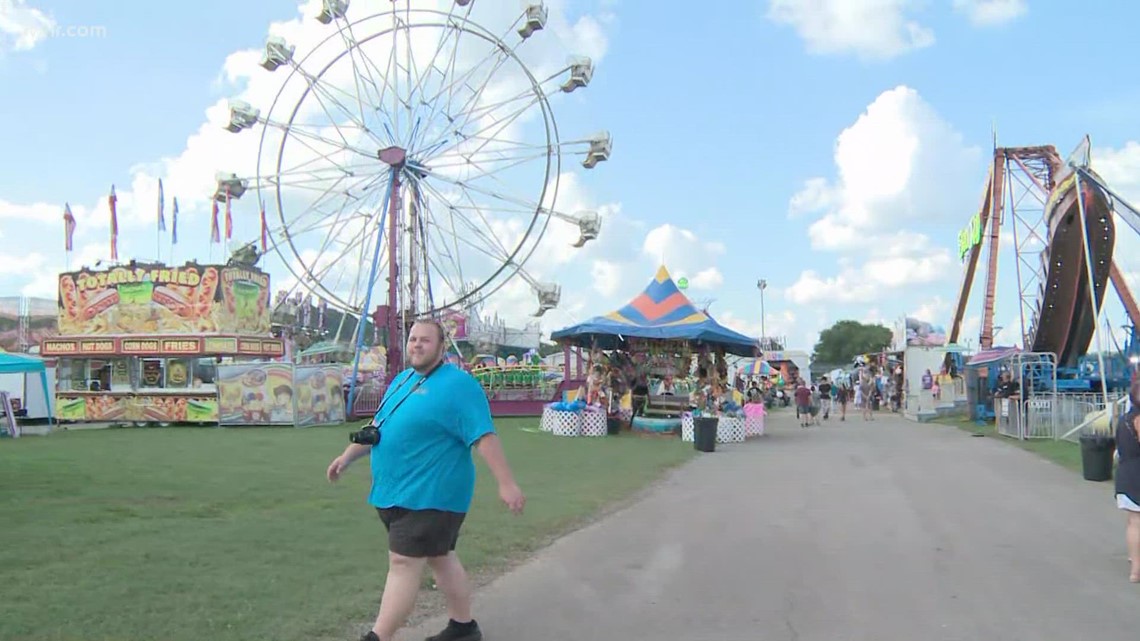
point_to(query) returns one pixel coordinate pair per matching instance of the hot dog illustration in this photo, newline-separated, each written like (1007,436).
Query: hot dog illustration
(100,302)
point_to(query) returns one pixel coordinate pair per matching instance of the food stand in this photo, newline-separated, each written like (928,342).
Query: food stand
(142,342)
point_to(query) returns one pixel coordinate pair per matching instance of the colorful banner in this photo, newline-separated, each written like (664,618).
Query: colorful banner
(156,299)
(154,408)
(455,324)
(320,397)
(255,394)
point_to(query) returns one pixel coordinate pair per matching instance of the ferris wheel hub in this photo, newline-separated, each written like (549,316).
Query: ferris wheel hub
(393,156)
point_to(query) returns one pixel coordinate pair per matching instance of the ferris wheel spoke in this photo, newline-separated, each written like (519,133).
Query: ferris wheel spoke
(316,206)
(338,261)
(496,126)
(502,54)
(499,54)
(490,158)
(481,232)
(486,192)
(480,291)
(355,48)
(495,171)
(326,190)
(527,94)
(323,160)
(324,90)
(298,131)
(449,29)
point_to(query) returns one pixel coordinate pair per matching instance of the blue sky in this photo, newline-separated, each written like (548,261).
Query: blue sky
(832,147)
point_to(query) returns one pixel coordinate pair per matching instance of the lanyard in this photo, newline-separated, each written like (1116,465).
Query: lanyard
(415,386)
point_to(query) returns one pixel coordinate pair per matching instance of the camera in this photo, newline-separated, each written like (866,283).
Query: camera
(368,435)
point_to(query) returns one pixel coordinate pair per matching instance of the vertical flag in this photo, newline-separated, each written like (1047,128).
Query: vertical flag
(68,226)
(174,223)
(161,207)
(215,235)
(229,218)
(112,201)
(264,231)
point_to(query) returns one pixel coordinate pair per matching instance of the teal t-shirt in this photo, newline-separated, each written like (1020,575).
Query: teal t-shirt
(423,460)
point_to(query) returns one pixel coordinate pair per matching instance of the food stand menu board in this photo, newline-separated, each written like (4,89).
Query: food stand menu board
(155,345)
(158,408)
(153,298)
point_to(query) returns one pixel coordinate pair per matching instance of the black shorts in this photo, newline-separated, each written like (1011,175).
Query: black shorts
(421,533)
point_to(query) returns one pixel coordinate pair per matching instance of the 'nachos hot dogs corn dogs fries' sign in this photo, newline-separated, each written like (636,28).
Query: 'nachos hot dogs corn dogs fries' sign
(157,299)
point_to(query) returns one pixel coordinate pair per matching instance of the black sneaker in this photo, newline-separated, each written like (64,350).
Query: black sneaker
(371,636)
(456,631)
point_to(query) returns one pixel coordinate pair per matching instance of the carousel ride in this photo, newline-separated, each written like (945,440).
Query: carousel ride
(410,163)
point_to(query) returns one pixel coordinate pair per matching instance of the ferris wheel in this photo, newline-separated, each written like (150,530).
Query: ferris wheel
(411,158)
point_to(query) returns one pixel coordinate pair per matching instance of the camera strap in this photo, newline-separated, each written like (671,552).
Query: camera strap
(403,398)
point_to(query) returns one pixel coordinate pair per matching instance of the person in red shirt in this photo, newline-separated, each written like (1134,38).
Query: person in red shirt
(803,402)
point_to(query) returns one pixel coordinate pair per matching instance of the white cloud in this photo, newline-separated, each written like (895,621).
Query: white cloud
(776,324)
(870,29)
(900,161)
(685,255)
(1120,169)
(22,27)
(607,277)
(935,311)
(986,13)
(707,279)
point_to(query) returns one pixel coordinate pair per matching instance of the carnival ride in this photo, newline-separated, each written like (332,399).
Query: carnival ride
(416,142)
(1063,218)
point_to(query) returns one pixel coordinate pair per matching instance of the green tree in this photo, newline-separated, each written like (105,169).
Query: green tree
(847,339)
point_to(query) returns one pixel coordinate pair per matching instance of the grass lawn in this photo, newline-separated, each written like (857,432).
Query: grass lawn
(1062,453)
(235,535)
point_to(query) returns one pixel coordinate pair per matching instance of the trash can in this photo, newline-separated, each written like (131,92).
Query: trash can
(704,433)
(613,425)
(1096,456)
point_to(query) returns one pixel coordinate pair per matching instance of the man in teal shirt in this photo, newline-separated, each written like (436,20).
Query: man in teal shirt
(423,479)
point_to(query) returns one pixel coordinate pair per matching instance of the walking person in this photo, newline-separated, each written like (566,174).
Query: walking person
(841,397)
(423,480)
(816,404)
(1128,476)
(803,403)
(867,389)
(825,393)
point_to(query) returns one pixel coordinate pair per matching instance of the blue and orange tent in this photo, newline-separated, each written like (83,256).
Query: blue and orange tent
(660,311)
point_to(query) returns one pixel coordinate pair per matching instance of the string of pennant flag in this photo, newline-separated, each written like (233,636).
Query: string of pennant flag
(69,223)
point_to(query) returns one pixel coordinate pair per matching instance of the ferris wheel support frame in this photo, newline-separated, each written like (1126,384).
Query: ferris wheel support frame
(388,200)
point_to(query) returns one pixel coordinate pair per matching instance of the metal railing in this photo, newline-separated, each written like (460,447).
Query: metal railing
(1057,416)
(1085,411)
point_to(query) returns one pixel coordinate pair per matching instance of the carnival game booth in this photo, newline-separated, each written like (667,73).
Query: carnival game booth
(143,342)
(983,372)
(659,332)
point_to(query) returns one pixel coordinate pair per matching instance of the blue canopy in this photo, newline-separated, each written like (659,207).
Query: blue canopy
(23,363)
(660,311)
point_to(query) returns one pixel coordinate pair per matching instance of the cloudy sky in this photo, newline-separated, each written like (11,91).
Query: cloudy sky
(831,147)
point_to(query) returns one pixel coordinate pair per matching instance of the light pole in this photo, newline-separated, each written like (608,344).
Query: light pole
(762,285)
